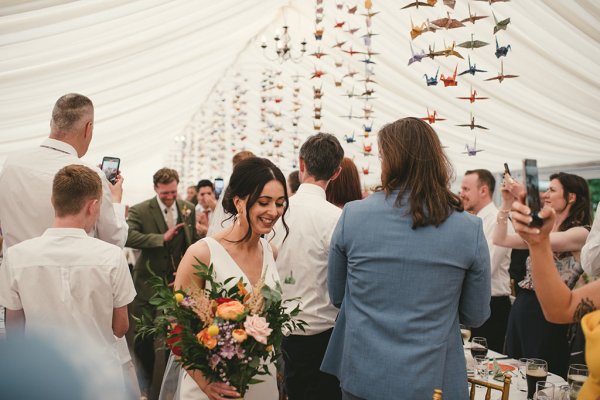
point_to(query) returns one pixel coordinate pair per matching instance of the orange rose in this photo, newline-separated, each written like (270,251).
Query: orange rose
(231,310)
(239,335)
(206,339)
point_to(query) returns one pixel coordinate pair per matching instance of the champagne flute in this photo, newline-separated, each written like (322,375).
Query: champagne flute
(479,347)
(537,371)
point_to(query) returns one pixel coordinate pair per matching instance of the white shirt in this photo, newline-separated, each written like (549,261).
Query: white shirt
(26,187)
(164,208)
(304,254)
(499,256)
(590,253)
(67,279)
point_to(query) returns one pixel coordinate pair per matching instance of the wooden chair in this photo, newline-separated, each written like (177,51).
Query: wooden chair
(437,394)
(505,389)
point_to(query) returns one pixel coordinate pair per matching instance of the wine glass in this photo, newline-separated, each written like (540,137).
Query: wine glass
(536,371)
(522,368)
(479,347)
(544,391)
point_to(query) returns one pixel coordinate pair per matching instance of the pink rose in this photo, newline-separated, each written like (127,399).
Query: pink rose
(258,328)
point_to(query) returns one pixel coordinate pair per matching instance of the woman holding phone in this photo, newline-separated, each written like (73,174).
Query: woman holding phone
(559,303)
(529,334)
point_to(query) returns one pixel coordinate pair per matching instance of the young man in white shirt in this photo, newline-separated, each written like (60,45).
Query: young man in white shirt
(477,189)
(302,265)
(65,278)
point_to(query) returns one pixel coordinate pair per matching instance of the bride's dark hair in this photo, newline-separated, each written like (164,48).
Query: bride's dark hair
(248,179)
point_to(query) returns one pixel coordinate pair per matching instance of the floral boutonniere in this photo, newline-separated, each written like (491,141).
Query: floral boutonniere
(186,211)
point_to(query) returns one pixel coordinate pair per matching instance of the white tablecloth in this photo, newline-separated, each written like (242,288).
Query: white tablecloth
(515,393)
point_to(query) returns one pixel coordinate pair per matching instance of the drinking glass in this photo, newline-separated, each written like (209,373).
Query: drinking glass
(479,347)
(522,369)
(563,393)
(576,376)
(536,371)
(481,367)
(544,391)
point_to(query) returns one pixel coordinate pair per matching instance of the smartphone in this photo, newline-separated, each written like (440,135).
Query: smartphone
(219,185)
(506,169)
(530,172)
(110,167)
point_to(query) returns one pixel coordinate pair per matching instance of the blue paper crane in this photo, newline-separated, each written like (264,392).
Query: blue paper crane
(432,81)
(501,51)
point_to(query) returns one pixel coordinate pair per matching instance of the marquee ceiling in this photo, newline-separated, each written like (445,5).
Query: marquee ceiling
(182,83)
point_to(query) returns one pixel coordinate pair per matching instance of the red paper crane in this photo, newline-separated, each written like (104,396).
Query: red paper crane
(501,76)
(432,118)
(317,74)
(339,25)
(473,96)
(449,80)
(352,52)
(367,148)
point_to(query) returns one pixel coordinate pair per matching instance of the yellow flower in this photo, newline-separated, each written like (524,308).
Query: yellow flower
(213,330)
(178,297)
(242,288)
(269,348)
(239,335)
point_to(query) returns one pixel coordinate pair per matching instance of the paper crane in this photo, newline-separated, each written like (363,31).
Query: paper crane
(349,116)
(500,25)
(338,44)
(421,29)
(473,96)
(472,17)
(349,139)
(416,4)
(448,23)
(494,1)
(473,44)
(317,92)
(350,93)
(415,57)
(352,31)
(317,73)
(501,76)
(432,118)
(472,125)
(352,52)
(449,80)
(350,73)
(365,170)
(472,151)
(319,33)
(352,10)
(472,69)
(432,81)
(339,25)
(318,54)
(449,51)
(450,3)
(367,148)
(501,51)
(368,129)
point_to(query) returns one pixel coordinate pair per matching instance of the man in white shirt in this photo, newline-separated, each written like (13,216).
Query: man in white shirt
(477,189)
(205,208)
(26,181)
(302,264)
(66,279)
(590,253)
(26,178)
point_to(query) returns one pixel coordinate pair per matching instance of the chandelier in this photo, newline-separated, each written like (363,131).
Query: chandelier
(283,48)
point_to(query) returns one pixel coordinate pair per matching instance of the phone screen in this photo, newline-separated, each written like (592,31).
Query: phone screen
(110,167)
(506,169)
(219,185)
(530,171)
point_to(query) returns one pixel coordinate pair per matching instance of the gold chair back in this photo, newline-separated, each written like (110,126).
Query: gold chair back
(437,394)
(505,388)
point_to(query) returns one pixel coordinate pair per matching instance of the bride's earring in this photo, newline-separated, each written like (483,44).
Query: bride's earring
(239,220)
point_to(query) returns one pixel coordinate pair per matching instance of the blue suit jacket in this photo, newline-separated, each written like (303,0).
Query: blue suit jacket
(402,292)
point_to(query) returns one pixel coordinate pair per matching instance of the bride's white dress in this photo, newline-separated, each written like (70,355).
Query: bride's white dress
(225,267)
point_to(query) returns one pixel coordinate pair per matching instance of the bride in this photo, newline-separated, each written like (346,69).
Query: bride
(257,198)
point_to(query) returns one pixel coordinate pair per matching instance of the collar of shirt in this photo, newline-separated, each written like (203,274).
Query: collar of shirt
(61,232)
(311,189)
(163,208)
(487,210)
(59,146)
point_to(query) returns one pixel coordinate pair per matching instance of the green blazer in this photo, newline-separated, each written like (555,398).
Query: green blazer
(146,228)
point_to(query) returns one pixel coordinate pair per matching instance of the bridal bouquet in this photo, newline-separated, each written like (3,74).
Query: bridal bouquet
(230,335)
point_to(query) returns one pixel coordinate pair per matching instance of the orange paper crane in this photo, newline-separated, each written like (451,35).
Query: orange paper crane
(432,118)
(449,51)
(421,29)
(473,96)
(449,80)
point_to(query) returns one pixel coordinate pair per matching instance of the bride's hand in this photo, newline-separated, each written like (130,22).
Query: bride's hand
(220,391)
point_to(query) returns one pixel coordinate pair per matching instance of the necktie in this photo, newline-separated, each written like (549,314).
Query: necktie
(206,214)
(170,219)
